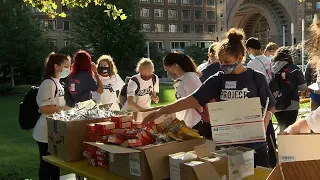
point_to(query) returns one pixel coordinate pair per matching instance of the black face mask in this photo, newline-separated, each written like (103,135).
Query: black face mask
(103,70)
(146,78)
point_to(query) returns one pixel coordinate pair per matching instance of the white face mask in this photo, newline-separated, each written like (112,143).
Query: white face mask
(251,56)
(64,73)
(270,57)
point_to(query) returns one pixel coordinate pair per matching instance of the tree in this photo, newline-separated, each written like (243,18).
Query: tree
(198,54)
(50,7)
(157,55)
(22,46)
(93,31)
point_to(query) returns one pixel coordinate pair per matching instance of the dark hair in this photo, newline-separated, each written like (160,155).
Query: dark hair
(51,60)
(233,44)
(185,62)
(284,53)
(253,43)
(81,62)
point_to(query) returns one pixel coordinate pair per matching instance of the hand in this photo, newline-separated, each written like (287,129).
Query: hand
(94,68)
(287,131)
(283,75)
(155,99)
(151,117)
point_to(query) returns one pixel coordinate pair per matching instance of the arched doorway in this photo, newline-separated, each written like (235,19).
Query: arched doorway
(263,19)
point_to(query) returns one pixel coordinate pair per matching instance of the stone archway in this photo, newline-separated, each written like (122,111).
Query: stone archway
(264,16)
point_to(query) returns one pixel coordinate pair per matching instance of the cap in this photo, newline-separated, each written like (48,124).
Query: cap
(253,43)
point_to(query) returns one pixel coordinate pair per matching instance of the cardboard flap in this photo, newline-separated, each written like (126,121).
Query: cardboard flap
(206,171)
(275,174)
(237,160)
(115,149)
(202,151)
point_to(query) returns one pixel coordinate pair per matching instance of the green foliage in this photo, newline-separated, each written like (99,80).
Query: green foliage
(50,7)
(198,54)
(10,172)
(5,88)
(157,55)
(93,31)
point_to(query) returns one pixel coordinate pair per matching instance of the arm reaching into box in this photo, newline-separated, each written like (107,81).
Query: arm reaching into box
(133,105)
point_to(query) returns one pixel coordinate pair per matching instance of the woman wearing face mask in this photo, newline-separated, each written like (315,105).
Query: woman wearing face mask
(271,50)
(112,83)
(81,82)
(50,99)
(235,82)
(183,71)
(142,88)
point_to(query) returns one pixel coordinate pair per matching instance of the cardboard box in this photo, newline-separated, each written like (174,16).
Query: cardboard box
(240,162)
(175,160)
(65,138)
(139,116)
(146,162)
(244,125)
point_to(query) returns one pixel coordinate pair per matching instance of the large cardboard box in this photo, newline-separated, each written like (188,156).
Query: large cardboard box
(234,123)
(240,162)
(65,138)
(146,162)
(139,116)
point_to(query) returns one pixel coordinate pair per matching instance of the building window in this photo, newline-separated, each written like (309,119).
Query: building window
(159,28)
(158,13)
(309,17)
(158,1)
(318,5)
(145,1)
(145,12)
(198,2)
(210,2)
(159,44)
(186,15)
(198,15)
(53,42)
(146,27)
(172,14)
(309,5)
(66,25)
(221,1)
(49,24)
(211,15)
(198,28)
(222,29)
(179,45)
(172,1)
(221,15)
(66,42)
(186,28)
(211,28)
(173,28)
(185,2)
(204,44)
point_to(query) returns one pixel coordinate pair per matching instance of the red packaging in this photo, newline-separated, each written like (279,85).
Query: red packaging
(92,138)
(100,152)
(100,158)
(132,143)
(115,140)
(147,137)
(91,129)
(92,161)
(152,128)
(104,128)
(139,125)
(119,131)
(91,149)
(125,125)
(131,133)
(122,118)
(102,139)
(101,164)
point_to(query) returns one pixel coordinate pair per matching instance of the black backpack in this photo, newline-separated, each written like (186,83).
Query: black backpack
(123,92)
(282,89)
(29,109)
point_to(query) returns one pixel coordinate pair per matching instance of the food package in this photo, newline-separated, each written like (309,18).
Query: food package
(122,118)
(187,133)
(104,128)
(100,152)
(91,149)
(132,143)
(115,139)
(91,132)
(176,126)
(125,125)
(100,157)
(100,163)
(102,139)
(164,125)
(92,161)
(147,138)
(152,128)
(138,125)
(131,133)
(119,131)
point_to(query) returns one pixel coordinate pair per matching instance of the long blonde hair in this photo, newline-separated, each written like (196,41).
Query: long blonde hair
(312,44)
(108,59)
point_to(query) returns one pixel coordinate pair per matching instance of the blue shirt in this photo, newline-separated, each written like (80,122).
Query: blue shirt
(223,87)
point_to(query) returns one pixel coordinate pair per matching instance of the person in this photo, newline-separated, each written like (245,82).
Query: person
(182,69)
(292,77)
(312,80)
(81,83)
(213,65)
(112,83)
(50,99)
(147,85)
(270,50)
(258,62)
(233,83)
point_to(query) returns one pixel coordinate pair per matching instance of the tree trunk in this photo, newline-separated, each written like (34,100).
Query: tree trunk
(12,76)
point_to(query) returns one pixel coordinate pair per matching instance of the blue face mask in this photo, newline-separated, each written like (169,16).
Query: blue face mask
(228,69)
(64,73)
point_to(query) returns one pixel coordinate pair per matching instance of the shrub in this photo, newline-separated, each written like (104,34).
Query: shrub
(5,89)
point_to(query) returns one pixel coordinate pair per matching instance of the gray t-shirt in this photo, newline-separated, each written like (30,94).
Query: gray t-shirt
(80,87)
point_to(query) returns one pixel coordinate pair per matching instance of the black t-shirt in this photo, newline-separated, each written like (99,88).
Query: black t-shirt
(209,71)
(296,78)
(223,87)
(80,88)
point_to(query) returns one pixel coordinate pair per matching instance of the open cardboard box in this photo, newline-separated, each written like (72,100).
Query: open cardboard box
(139,116)
(146,162)
(299,158)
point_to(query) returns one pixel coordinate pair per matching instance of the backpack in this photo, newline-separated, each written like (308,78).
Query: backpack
(123,92)
(205,112)
(29,109)
(282,89)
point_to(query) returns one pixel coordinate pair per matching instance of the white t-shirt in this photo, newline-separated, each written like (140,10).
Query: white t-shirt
(109,96)
(202,66)
(46,96)
(262,64)
(186,85)
(143,98)
(313,120)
